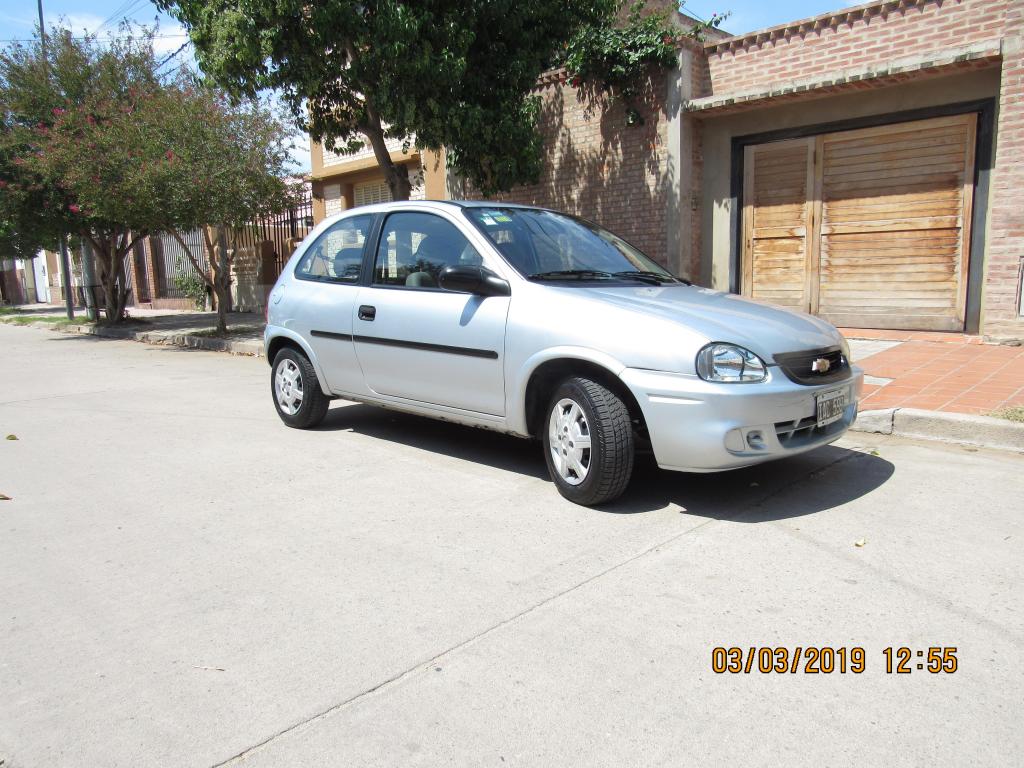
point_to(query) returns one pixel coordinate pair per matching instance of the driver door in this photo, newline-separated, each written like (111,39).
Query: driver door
(419,342)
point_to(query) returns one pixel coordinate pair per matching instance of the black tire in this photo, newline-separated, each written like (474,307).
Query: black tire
(610,462)
(314,403)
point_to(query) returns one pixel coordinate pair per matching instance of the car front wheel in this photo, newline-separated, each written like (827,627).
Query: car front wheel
(588,442)
(297,395)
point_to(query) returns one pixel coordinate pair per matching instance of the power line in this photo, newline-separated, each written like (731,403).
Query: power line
(172,55)
(86,37)
(686,10)
(123,10)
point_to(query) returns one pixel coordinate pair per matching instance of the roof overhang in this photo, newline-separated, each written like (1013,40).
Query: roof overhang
(361,164)
(976,56)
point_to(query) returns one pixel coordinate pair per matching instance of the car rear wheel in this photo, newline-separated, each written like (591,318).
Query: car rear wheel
(297,395)
(588,442)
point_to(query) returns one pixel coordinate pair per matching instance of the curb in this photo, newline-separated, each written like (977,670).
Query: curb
(961,428)
(249,347)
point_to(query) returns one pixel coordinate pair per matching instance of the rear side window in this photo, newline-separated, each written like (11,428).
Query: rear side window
(337,255)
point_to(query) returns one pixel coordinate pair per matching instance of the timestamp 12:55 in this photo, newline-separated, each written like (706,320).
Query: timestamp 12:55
(903,660)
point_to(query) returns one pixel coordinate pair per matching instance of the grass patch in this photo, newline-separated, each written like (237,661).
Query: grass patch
(57,321)
(1013,413)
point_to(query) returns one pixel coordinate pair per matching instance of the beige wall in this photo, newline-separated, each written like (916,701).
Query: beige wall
(718,132)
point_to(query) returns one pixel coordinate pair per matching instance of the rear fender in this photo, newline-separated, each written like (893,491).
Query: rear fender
(277,332)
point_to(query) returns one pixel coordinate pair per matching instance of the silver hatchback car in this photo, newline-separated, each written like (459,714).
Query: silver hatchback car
(543,325)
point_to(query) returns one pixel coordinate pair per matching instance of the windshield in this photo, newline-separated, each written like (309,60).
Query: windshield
(544,245)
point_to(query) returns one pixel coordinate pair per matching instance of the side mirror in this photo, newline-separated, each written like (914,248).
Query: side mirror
(475,280)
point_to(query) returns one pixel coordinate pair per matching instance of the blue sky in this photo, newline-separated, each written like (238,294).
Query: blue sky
(18,17)
(748,15)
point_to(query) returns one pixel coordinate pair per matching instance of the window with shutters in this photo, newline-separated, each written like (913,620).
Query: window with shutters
(371,192)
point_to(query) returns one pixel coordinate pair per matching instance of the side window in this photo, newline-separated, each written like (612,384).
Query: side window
(415,247)
(337,255)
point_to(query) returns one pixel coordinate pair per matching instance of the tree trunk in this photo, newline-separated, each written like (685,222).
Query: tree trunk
(397,174)
(112,252)
(222,310)
(220,280)
(106,249)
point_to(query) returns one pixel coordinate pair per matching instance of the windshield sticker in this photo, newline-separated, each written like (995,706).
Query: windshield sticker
(487,220)
(502,217)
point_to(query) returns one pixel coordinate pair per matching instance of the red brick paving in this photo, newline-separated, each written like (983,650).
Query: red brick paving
(942,372)
(938,336)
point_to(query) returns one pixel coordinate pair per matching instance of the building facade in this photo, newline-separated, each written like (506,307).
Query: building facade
(861,165)
(343,181)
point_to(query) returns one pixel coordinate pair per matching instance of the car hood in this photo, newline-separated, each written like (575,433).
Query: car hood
(718,316)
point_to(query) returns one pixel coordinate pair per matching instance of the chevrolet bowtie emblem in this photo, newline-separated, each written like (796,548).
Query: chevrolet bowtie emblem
(821,365)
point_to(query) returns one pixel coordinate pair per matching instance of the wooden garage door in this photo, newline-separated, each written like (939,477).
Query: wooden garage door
(776,221)
(885,224)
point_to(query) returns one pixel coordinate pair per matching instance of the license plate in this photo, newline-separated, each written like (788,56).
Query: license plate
(830,405)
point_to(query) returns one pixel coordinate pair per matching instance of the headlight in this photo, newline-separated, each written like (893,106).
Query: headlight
(727,362)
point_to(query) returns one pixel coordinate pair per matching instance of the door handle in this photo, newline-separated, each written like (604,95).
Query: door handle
(366,312)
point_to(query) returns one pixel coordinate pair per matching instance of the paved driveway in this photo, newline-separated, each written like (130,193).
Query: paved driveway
(185,582)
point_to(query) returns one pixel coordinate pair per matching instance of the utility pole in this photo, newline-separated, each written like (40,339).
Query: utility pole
(65,271)
(65,263)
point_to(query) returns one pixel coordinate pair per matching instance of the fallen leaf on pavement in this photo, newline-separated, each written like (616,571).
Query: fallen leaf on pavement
(860,542)
(12,437)
(4,497)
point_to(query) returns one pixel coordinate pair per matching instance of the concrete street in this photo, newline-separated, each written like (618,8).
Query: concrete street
(186,582)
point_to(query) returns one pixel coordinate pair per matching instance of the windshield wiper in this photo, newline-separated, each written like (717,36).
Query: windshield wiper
(651,278)
(579,274)
(656,278)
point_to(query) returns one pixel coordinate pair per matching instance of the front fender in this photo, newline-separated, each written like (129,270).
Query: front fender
(515,391)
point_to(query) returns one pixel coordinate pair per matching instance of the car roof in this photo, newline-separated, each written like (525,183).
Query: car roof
(428,204)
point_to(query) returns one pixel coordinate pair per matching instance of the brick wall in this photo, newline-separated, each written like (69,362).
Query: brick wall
(1006,211)
(699,84)
(598,167)
(862,36)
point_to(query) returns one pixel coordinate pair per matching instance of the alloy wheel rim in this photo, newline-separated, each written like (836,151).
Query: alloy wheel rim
(569,441)
(288,387)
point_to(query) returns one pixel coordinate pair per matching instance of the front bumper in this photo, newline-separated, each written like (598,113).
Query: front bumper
(702,426)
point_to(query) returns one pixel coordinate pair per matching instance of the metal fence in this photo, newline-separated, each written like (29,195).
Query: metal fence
(170,261)
(293,224)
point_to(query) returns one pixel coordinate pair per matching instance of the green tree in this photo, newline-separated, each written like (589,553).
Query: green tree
(98,144)
(617,55)
(455,74)
(231,161)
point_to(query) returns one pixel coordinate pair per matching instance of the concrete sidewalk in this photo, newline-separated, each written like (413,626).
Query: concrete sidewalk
(194,330)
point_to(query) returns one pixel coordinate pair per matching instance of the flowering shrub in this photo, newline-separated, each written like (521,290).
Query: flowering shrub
(95,142)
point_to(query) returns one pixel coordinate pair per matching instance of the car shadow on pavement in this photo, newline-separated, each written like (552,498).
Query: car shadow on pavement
(821,479)
(480,446)
(801,485)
